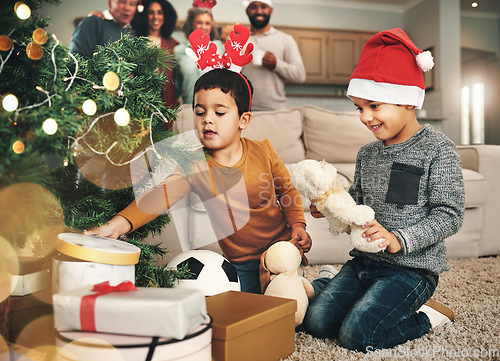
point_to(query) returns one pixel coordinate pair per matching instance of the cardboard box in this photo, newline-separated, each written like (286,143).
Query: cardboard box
(251,327)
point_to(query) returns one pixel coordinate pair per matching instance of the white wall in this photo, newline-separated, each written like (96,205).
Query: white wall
(436,24)
(318,13)
(430,23)
(480,33)
(286,12)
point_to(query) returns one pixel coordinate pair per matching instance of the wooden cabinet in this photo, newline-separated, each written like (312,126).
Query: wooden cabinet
(329,56)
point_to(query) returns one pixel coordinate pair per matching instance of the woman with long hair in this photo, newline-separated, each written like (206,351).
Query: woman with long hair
(157,22)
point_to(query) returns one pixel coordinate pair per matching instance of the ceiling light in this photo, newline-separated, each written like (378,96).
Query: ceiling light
(474,4)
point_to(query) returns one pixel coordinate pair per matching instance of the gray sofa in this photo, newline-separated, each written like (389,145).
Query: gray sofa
(308,132)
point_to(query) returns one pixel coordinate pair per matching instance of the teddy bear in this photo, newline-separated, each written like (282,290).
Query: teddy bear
(282,260)
(318,182)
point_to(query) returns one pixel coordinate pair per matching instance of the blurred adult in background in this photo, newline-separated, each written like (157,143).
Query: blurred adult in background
(157,22)
(225,31)
(188,72)
(94,30)
(276,59)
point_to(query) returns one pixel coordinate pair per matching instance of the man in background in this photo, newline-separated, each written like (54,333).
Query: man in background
(276,59)
(94,30)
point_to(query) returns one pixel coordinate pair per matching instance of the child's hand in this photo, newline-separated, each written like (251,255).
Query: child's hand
(314,211)
(299,230)
(116,227)
(374,231)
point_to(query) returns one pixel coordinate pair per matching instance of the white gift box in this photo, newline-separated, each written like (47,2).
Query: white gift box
(30,283)
(90,346)
(163,312)
(86,260)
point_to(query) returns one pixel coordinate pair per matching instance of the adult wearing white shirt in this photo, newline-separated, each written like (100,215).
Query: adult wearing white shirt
(277,59)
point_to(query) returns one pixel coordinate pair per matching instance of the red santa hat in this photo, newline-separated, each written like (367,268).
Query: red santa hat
(390,70)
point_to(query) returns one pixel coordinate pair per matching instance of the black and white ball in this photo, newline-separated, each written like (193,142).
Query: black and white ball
(211,272)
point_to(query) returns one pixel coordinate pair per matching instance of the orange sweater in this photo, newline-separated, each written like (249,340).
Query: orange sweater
(241,201)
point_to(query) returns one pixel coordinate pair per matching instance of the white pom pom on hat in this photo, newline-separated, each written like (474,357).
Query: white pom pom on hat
(390,70)
(425,60)
(248,2)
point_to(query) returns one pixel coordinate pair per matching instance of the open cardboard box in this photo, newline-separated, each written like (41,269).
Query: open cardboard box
(251,327)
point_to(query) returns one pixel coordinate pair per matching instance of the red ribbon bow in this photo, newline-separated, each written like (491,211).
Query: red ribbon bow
(87,306)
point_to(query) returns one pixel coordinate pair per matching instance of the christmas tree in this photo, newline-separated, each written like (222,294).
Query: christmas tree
(71,128)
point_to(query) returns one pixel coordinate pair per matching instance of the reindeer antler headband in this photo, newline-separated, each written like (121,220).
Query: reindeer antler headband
(235,57)
(205,54)
(204,3)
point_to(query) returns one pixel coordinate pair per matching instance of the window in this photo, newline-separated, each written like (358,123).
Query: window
(472,114)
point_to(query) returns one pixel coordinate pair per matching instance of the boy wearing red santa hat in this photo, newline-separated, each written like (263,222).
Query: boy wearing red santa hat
(412,177)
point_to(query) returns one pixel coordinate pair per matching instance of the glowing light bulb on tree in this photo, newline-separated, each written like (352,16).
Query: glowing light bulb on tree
(89,107)
(111,81)
(10,102)
(49,126)
(122,117)
(23,11)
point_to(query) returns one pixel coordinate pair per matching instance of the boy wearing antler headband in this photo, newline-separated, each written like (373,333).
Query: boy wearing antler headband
(412,178)
(240,174)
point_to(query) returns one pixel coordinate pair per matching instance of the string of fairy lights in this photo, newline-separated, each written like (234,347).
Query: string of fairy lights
(110,82)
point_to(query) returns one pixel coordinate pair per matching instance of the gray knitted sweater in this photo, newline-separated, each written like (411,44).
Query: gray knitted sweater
(417,192)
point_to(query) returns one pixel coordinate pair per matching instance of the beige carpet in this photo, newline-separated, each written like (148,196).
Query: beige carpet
(471,288)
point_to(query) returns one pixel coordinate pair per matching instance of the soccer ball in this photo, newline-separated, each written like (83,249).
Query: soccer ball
(211,273)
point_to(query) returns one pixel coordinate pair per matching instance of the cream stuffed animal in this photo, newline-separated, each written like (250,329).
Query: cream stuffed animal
(283,260)
(318,181)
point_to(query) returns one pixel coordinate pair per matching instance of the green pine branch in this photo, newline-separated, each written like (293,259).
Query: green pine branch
(55,86)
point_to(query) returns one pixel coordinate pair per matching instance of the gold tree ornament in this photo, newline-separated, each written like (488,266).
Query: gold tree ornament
(34,51)
(40,36)
(111,81)
(5,43)
(18,147)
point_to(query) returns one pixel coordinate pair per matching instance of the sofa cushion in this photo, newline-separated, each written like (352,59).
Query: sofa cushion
(476,188)
(283,128)
(323,128)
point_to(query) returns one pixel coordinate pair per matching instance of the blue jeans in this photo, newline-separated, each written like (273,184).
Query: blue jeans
(248,275)
(370,305)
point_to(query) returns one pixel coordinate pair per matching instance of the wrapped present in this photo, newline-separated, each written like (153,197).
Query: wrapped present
(125,309)
(92,346)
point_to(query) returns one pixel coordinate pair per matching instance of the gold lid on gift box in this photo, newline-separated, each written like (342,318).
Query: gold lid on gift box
(98,249)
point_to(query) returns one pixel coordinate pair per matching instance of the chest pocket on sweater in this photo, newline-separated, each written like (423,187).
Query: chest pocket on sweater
(404,184)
